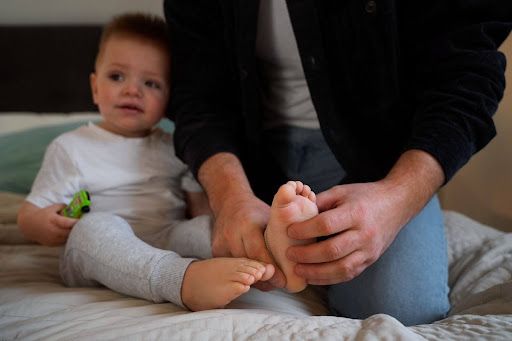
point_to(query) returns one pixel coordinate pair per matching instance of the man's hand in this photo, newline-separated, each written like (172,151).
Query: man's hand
(238,232)
(45,225)
(240,217)
(362,220)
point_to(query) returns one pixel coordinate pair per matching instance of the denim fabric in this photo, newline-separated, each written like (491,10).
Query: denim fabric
(302,154)
(408,282)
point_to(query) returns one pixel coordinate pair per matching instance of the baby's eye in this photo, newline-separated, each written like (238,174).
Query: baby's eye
(152,84)
(116,76)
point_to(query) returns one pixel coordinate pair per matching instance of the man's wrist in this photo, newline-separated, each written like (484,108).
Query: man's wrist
(415,177)
(223,177)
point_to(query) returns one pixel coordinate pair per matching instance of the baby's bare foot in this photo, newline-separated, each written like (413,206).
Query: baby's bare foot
(213,283)
(294,202)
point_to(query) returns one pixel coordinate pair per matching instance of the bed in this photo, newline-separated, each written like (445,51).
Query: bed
(44,91)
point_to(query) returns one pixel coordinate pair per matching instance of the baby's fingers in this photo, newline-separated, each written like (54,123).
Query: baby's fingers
(56,208)
(65,222)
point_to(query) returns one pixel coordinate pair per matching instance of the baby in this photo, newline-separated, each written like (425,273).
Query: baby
(148,234)
(138,235)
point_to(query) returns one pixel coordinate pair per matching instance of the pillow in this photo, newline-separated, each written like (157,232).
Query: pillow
(11,122)
(22,152)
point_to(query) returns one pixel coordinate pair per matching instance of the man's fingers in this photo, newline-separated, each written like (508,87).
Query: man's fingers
(342,270)
(254,245)
(220,249)
(256,249)
(325,224)
(263,286)
(328,250)
(224,247)
(330,198)
(238,248)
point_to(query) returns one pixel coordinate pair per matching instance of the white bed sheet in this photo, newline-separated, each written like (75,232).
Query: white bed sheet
(35,305)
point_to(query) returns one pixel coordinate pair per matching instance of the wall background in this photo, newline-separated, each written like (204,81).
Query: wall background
(481,190)
(71,11)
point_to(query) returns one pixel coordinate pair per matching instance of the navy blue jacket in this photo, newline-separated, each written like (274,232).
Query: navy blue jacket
(385,76)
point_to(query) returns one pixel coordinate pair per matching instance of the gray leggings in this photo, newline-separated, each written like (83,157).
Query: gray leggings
(102,249)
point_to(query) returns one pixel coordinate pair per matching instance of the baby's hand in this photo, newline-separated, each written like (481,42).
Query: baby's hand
(45,225)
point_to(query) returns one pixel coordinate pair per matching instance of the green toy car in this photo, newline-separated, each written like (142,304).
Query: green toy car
(80,204)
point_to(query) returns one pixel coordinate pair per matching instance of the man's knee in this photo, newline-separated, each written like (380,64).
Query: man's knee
(411,306)
(408,282)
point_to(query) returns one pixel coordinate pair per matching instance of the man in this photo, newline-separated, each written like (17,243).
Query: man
(374,104)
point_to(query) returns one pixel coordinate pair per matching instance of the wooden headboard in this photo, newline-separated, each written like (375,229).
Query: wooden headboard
(46,68)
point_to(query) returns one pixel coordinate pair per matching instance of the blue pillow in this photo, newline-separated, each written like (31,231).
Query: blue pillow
(21,153)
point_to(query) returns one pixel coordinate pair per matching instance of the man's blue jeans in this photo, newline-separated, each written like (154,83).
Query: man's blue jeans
(410,280)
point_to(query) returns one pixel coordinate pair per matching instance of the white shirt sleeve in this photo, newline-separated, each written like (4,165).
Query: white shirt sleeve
(189,183)
(57,180)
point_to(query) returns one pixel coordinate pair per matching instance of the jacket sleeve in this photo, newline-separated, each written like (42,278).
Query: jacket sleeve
(457,76)
(204,100)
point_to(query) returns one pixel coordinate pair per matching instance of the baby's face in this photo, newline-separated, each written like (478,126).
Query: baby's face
(131,85)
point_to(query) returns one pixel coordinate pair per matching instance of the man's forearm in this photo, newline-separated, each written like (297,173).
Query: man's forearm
(417,176)
(223,177)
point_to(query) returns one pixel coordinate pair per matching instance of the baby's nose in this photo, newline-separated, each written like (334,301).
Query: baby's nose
(132,89)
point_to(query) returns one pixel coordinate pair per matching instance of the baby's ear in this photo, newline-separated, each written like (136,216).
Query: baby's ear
(94,87)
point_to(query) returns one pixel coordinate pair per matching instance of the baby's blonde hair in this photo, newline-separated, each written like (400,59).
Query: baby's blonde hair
(142,26)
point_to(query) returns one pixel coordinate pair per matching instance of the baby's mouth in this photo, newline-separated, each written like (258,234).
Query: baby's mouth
(130,108)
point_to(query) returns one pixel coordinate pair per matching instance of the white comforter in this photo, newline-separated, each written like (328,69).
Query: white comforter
(35,305)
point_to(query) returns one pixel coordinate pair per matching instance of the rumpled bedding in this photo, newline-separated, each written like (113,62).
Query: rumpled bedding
(34,304)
